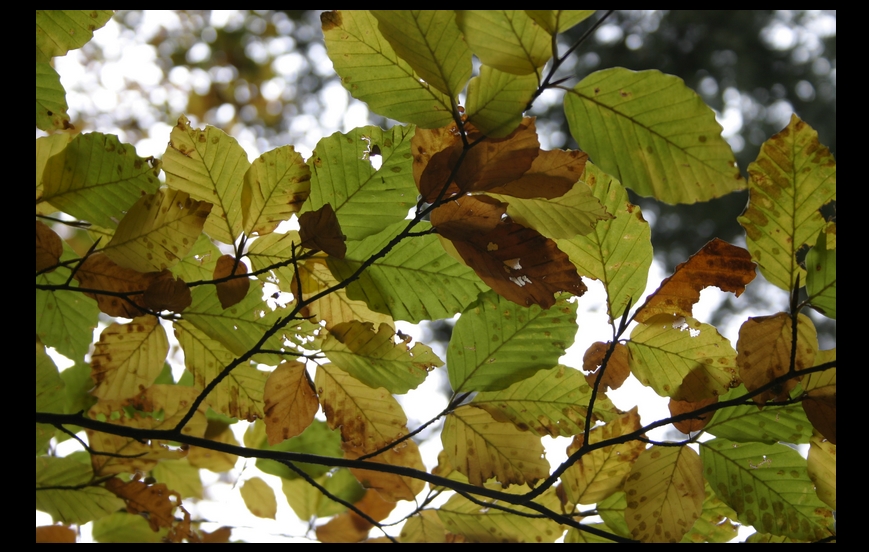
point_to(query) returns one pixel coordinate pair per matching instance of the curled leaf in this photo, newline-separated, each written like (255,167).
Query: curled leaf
(230,292)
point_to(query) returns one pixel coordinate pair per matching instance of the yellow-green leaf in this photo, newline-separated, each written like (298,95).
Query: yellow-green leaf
(654,134)
(259,498)
(179,476)
(275,186)
(481,448)
(158,231)
(128,358)
(59,31)
(70,506)
(210,166)
(821,467)
(793,177)
(507,40)
(665,493)
(821,275)
(425,527)
(372,72)
(497,100)
(50,99)
(431,43)
(558,21)
(375,359)
(618,252)
(290,402)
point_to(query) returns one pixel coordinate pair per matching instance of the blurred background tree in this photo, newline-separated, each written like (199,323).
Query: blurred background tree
(263,76)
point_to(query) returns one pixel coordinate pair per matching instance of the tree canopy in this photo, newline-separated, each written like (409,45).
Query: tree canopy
(204,298)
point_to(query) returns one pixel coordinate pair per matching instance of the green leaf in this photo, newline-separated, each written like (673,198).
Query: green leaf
(65,319)
(316,439)
(50,99)
(714,524)
(558,21)
(275,186)
(482,523)
(364,199)
(69,506)
(768,486)
(417,280)
(199,262)
(97,178)
(375,359)
(158,231)
(552,402)
(59,31)
(497,343)
(497,100)
(821,276)
(372,72)
(50,396)
(618,252)
(276,251)
(210,166)
(423,527)
(179,476)
(308,502)
(431,43)
(572,214)
(748,423)
(792,178)
(46,147)
(240,394)
(654,134)
(123,527)
(612,512)
(682,358)
(507,40)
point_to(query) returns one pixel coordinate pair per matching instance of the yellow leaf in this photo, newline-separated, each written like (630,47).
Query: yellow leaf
(259,498)
(128,358)
(290,402)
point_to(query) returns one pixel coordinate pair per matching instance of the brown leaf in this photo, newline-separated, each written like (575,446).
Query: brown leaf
(350,526)
(101,273)
(435,152)
(520,264)
(821,411)
(156,501)
(54,533)
(219,535)
(718,264)
(167,293)
(49,247)
(618,367)
(320,230)
(467,216)
(392,487)
(230,292)
(693,424)
(290,402)
(552,174)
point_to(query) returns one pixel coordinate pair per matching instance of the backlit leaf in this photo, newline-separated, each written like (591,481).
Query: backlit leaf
(259,498)
(199,262)
(424,527)
(618,366)
(496,343)
(768,486)
(290,402)
(714,523)
(496,100)
(50,99)
(390,486)
(417,279)
(210,166)
(481,448)
(682,358)
(156,502)
(558,21)
(665,494)
(748,423)
(123,527)
(507,40)
(215,460)
(55,534)
(158,231)
(375,359)
(179,476)
(820,403)
(821,276)
(70,506)
(307,501)
(654,134)
(275,186)
(59,31)
(233,291)
(364,198)
(372,72)
(50,396)
(97,178)
(124,286)
(46,147)
(551,402)
(718,263)
(601,472)
(350,526)
(765,352)
(821,467)
(320,230)
(49,247)
(793,177)
(695,423)
(128,358)
(617,252)
(431,43)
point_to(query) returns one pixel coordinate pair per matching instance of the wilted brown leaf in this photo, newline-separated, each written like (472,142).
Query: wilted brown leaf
(220,535)
(499,161)
(435,152)
(230,292)
(54,533)
(820,404)
(718,264)
(618,367)
(49,247)
(693,424)
(290,402)
(98,272)
(391,486)
(320,230)
(552,174)
(467,216)
(156,502)
(350,526)
(167,293)
(520,264)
